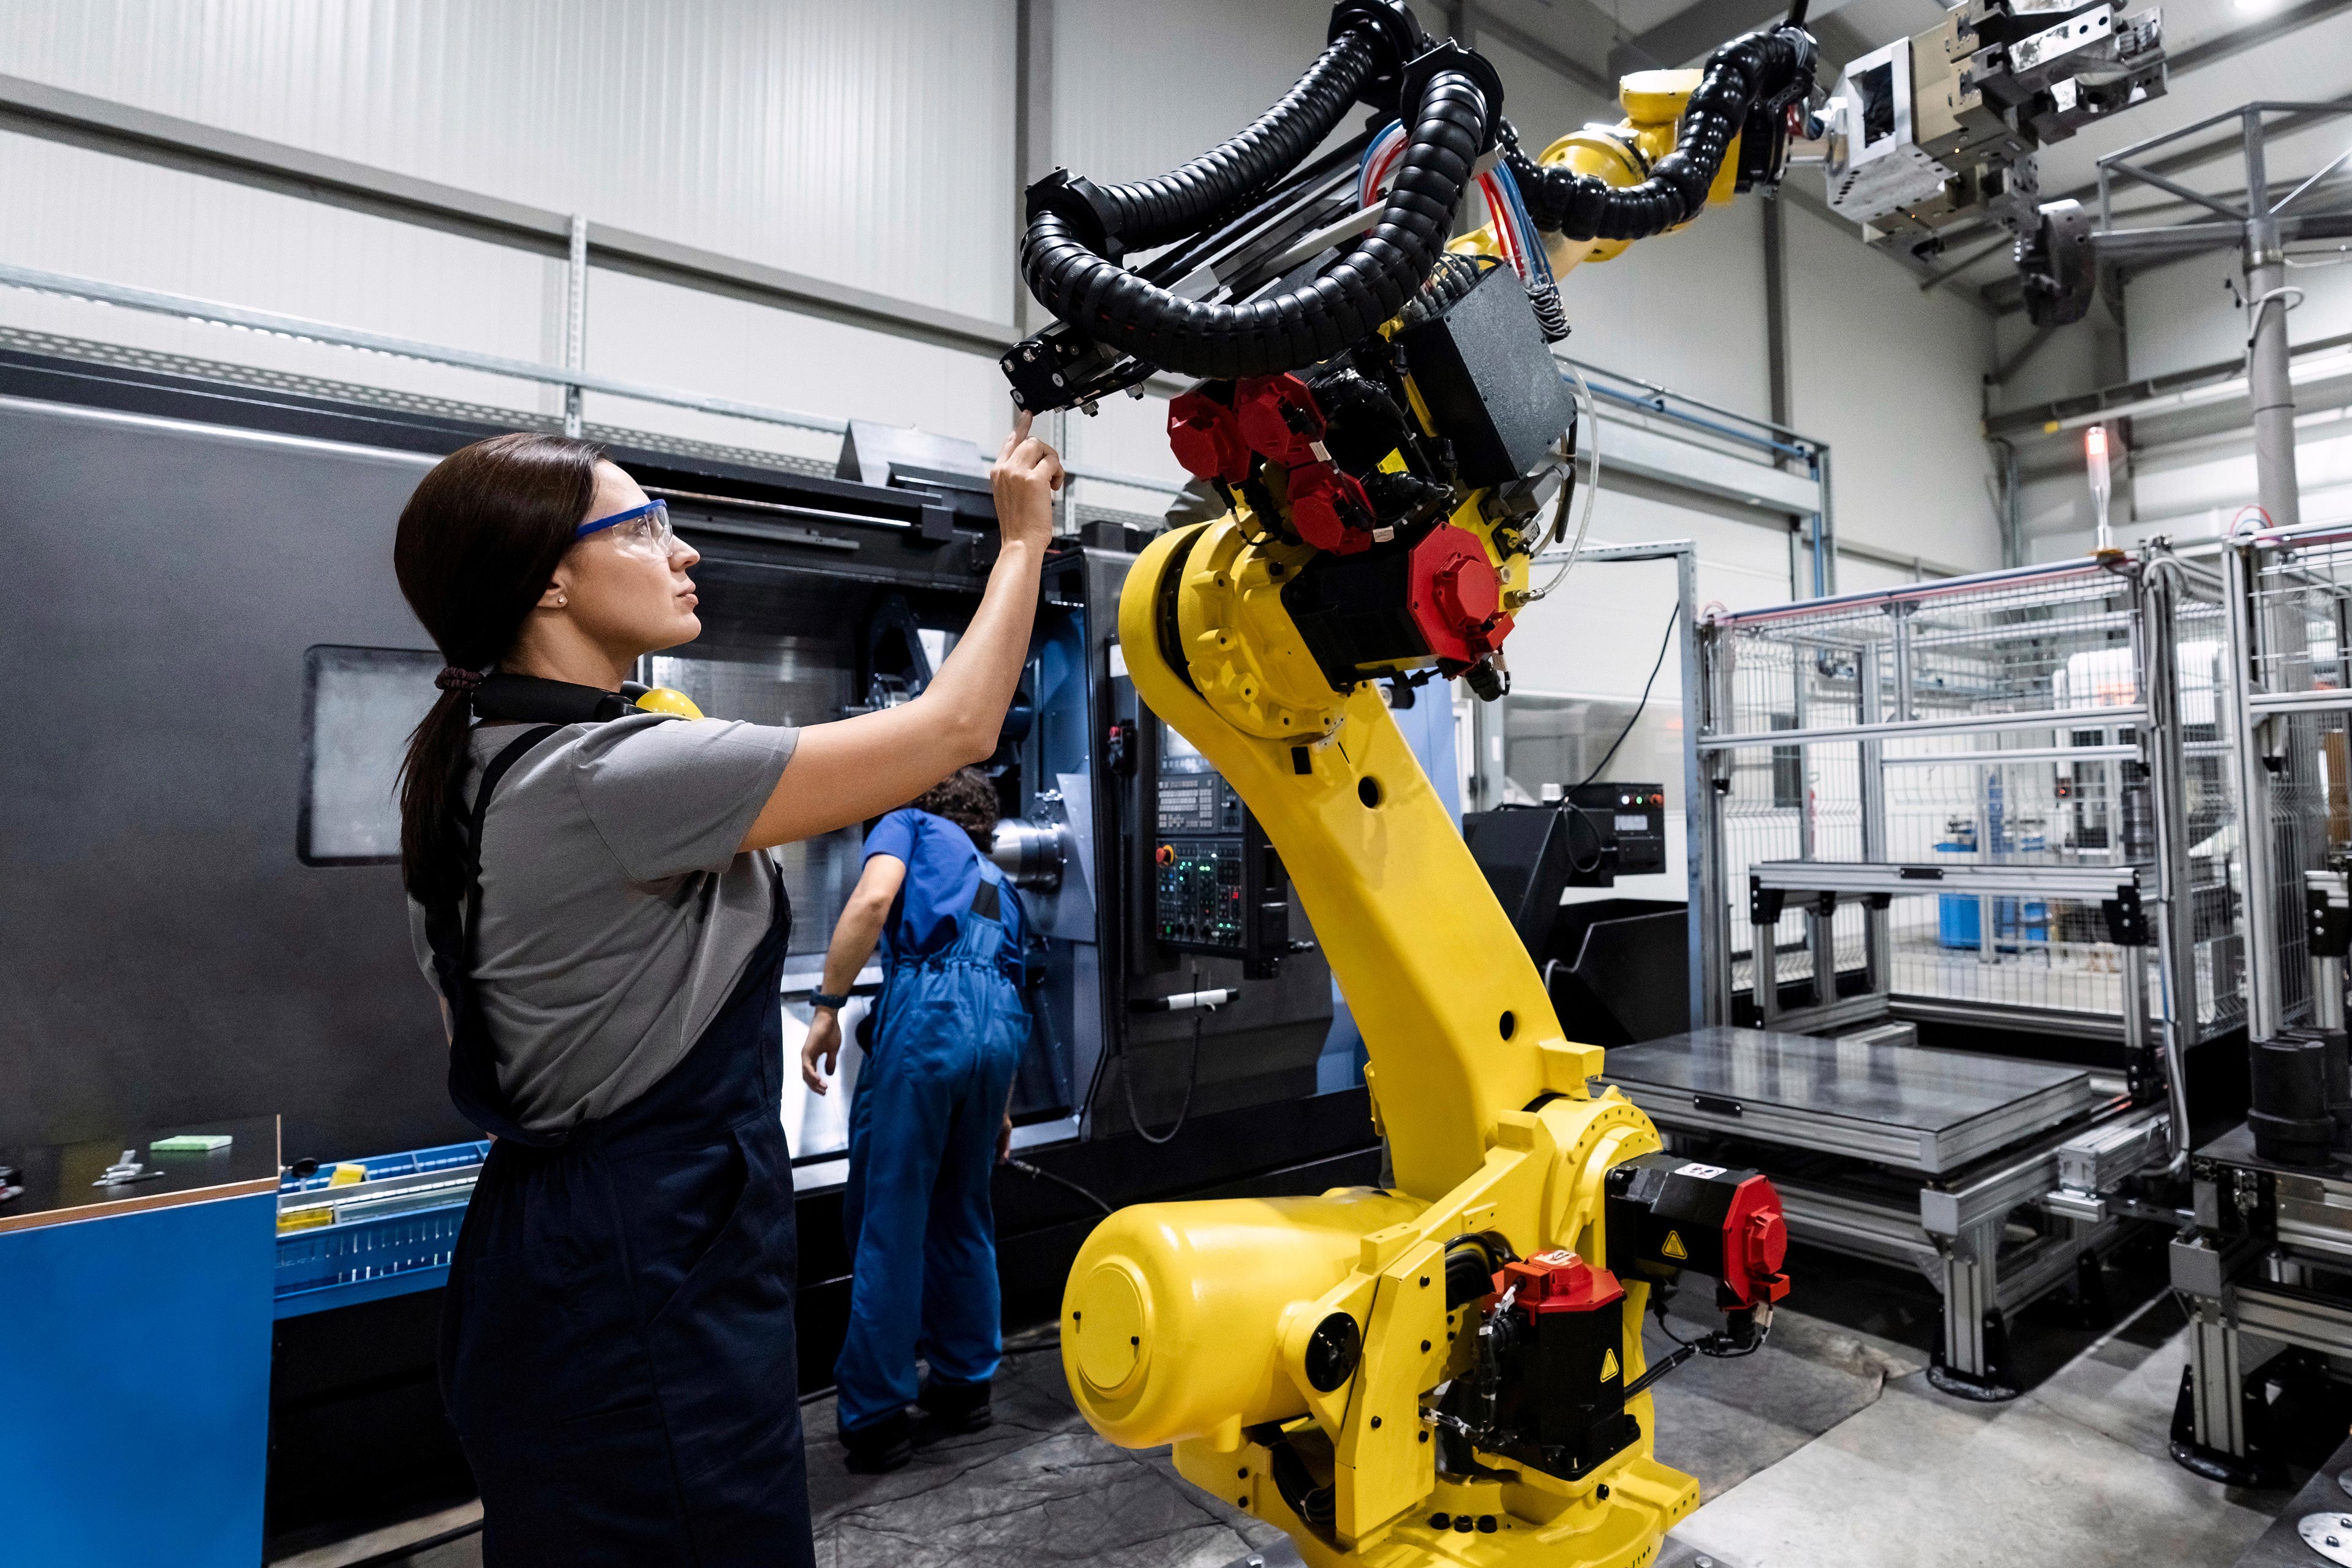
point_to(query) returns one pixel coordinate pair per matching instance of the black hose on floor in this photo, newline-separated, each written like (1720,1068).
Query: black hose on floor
(1039,1173)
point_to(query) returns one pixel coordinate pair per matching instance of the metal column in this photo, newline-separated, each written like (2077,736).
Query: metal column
(575,322)
(2266,368)
(1972,1301)
(1700,864)
(2243,562)
(1712,958)
(2215,1378)
(1876,927)
(2160,689)
(1696,852)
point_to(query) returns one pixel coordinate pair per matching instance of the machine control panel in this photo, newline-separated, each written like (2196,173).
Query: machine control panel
(1217,885)
(1200,893)
(1632,817)
(1193,802)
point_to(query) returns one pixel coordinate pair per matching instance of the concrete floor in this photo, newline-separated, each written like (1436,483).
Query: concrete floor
(1826,1449)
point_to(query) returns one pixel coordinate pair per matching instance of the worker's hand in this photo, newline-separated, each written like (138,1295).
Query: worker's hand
(824,1043)
(1024,476)
(1005,1140)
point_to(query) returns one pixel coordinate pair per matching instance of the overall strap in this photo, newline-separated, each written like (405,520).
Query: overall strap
(473,1077)
(514,752)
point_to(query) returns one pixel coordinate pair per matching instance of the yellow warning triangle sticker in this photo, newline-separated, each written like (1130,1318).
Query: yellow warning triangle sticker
(1675,1247)
(1608,1365)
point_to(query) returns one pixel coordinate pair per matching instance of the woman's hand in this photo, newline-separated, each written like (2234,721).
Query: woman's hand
(824,1043)
(1024,476)
(1005,1140)
(851,769)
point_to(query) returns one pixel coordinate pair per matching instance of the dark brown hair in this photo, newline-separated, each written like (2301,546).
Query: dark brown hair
(476,543)
(966,798)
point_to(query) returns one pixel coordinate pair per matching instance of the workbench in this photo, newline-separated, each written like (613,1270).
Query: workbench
(134,1369)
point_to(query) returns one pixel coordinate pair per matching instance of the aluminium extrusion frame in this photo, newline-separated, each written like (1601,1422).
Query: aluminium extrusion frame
(1889,703)
(1956,1228)
(2261,1271)
(2265,1268)
(2290,598)
(1881,687)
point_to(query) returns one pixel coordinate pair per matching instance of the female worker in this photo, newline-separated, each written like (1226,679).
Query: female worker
(617,1349)
(929,1116)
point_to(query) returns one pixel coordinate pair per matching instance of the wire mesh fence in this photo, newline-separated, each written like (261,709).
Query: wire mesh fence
(2298,627)
(1996,721)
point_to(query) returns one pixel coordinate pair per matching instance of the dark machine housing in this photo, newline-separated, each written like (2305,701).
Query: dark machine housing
(1547,1384)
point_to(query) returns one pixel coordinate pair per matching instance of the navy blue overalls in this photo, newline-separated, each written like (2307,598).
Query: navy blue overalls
(617,1347)
(947,1034)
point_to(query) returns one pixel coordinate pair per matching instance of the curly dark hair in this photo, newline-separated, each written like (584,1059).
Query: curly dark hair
(968,798)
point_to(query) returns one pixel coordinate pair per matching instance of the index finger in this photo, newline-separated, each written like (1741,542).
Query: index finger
(1021,420)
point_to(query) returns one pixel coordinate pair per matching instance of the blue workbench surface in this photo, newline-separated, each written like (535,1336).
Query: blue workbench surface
(138,1349)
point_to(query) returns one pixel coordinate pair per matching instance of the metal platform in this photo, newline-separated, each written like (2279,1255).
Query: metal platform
(1923,1110)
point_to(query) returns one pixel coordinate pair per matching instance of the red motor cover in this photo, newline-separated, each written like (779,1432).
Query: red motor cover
(1329,509)
(1559,1281)
(1207,438)
(1755,1244)
(1278,418)
(1456,597)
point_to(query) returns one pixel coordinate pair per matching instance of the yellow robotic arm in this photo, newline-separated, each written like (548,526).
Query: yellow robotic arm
(1295,1350)
(1451,1369)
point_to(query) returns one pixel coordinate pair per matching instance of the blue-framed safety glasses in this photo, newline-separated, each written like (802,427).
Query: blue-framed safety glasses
(649,522)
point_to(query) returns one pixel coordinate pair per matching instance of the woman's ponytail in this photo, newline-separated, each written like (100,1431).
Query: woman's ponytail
(477,544)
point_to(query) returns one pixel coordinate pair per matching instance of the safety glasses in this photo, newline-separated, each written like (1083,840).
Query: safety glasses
(649,523)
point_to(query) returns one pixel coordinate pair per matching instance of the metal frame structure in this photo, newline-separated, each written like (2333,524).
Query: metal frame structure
(1875,691)
(2271,1257)
(2067,677)
(2261,228)
(2290,655)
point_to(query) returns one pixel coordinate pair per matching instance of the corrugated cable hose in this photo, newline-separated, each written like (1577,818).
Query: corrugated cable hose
(1760,69)
(1074,228)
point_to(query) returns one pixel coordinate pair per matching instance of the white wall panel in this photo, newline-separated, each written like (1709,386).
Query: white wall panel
(732,349)
(2186,315)
(1140,87)
(1891,378)
(870,143)
(90,214)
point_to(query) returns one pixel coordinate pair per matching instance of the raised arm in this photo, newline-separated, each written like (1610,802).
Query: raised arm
(847,771)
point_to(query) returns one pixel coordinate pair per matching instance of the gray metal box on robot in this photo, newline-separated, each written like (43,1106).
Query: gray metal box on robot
(1490,381)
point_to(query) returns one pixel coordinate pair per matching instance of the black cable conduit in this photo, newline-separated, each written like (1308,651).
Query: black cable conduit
(1760,69)
(1076,228)
(1153,212)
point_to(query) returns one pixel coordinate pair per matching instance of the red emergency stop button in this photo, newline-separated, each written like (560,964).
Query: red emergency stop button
(1165,855)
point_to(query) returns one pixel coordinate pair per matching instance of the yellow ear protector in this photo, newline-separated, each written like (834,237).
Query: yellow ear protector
(661,700)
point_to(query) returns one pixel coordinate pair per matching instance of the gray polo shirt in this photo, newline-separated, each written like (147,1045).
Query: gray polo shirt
(616,914)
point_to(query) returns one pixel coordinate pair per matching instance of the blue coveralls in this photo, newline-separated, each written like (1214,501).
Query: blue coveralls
(617,1349)
(950,1027)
